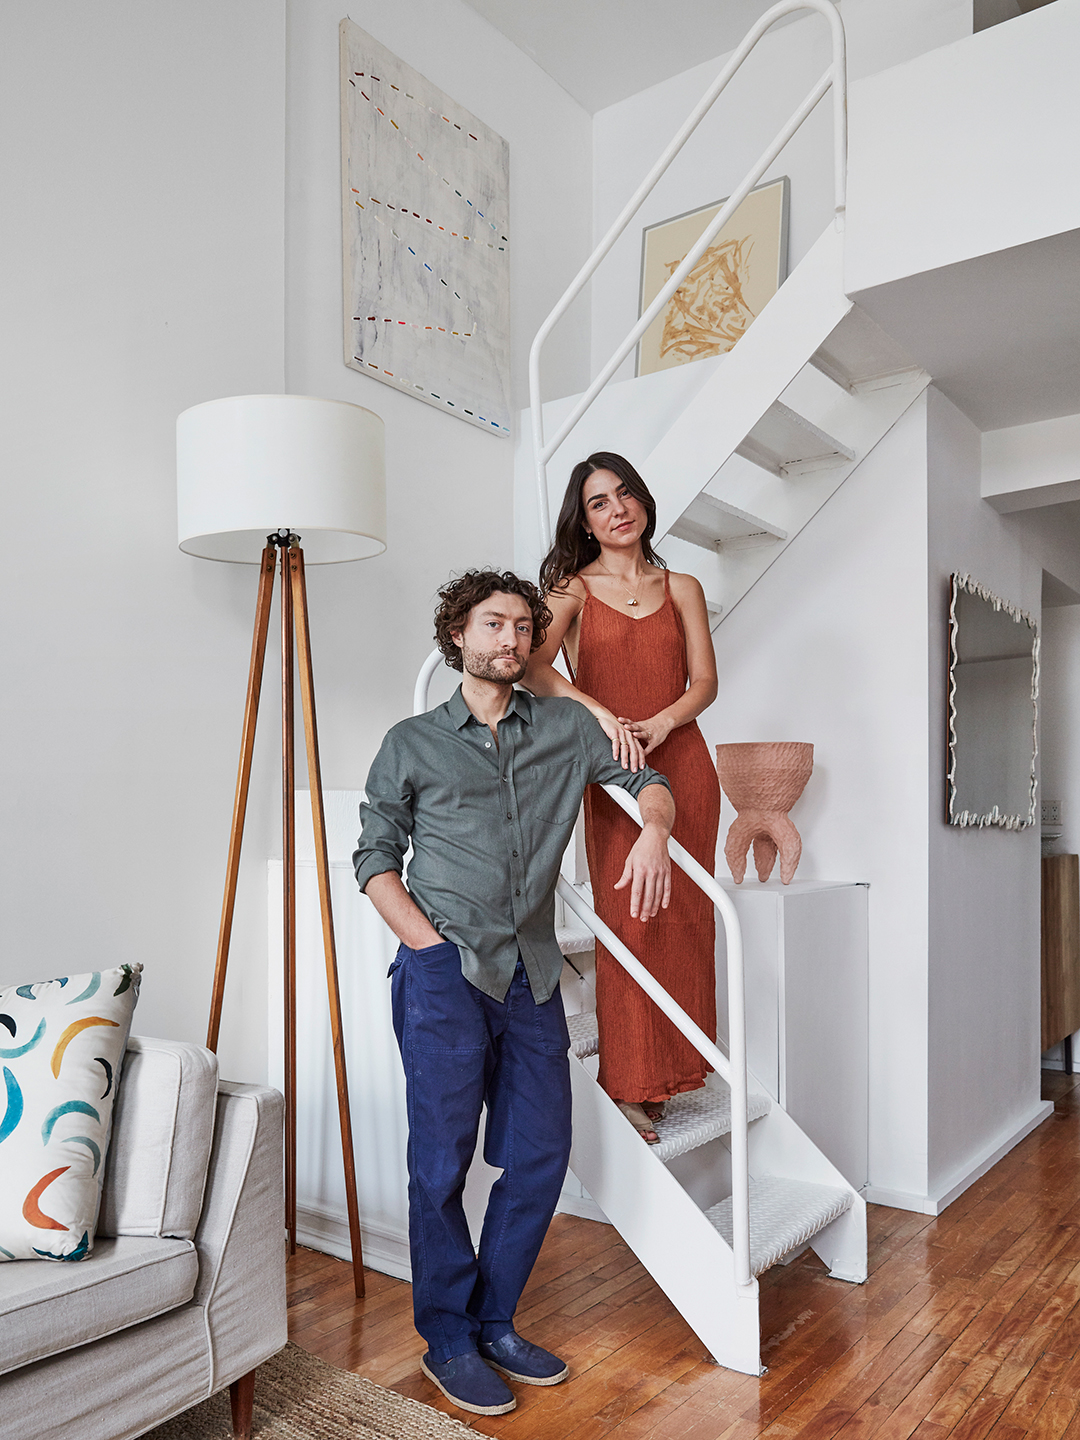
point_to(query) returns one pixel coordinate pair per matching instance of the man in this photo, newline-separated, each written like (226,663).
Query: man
(487,788)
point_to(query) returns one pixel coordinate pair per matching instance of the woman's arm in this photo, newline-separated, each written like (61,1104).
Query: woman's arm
(689,600)
(543,679)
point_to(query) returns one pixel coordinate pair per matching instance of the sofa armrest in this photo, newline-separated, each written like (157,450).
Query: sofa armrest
(241,1234)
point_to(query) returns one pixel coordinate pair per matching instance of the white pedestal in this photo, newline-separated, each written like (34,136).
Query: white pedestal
(806,1007)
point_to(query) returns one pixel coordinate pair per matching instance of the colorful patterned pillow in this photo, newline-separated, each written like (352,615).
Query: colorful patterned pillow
(62,1045)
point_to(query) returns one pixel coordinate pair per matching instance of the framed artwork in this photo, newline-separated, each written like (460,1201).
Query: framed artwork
(732,282)
(426,204)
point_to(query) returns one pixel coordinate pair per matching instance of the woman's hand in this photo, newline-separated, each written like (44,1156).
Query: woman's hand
(625,746)
(648,733)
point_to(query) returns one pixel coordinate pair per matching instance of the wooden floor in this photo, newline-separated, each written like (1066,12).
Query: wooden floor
(969,1325)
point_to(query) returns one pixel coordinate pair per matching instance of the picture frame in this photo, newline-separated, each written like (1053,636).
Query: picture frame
(732,282)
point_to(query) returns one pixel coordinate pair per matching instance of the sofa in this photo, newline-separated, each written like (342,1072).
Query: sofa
(184,1292)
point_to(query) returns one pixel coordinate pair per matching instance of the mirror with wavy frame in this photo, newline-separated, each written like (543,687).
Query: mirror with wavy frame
(993,708)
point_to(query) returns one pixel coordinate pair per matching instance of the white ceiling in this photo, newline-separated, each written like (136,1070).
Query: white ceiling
(997,333)
(604,50)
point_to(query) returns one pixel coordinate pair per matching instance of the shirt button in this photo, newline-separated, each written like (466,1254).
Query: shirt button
(508,815)
(487,744)
(517,892)
(514,852)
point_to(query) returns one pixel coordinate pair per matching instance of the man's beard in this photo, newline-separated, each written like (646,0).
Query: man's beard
(483,665)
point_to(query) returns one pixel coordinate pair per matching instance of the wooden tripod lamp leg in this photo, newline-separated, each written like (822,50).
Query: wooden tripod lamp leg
(307,692)
(243,779)
(288,887)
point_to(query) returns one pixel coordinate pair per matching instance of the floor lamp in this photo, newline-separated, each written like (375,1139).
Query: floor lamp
(254,473)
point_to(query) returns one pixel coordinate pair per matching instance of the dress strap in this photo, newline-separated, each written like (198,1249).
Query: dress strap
(667,583)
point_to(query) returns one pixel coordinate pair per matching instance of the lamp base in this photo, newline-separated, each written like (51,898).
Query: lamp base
(294,628)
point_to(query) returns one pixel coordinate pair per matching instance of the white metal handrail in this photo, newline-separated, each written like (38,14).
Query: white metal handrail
(732,1067)
(834,78)
(423,682)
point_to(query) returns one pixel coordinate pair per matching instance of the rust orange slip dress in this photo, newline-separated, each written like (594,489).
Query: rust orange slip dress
(637,668)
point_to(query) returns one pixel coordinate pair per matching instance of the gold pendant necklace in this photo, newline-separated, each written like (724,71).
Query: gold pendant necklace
(633,598)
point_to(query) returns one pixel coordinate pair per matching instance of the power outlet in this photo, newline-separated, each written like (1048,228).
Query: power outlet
(1051,812)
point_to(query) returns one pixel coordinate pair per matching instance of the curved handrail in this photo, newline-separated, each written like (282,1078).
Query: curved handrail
(732,1066)
(834,78)
(423,682)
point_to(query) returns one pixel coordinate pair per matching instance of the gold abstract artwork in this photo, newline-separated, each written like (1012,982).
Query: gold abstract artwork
(728,286)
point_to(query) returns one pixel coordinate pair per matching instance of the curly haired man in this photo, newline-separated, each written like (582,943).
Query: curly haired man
(487,789)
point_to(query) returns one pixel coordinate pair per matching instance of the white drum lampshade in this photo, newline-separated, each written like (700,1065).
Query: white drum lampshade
(249,465)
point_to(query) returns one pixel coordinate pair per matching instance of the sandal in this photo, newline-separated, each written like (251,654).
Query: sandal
(654,1109)
(640,1121)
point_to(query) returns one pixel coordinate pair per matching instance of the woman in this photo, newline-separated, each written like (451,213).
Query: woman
(637,641)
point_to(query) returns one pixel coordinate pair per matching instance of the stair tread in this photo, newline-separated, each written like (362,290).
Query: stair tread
(709,521)
(584,1039)
(691,1119)
(783,1214)
(699,1116)
(574,940)
(783,437)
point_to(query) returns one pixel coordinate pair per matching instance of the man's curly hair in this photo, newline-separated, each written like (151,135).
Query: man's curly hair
(473,588)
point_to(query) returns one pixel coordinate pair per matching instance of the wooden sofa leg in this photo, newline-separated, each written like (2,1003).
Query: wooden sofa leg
(242,1396)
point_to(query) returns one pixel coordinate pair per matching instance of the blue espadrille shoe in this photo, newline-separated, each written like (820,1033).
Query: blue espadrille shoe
(469,1383)
(522,1360)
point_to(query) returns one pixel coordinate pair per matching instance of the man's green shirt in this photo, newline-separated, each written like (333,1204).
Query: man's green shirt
(488,825)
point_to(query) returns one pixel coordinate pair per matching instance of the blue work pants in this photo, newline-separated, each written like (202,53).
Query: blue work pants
(461,1050)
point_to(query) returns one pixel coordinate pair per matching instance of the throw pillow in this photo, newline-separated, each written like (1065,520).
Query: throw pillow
(62,1046)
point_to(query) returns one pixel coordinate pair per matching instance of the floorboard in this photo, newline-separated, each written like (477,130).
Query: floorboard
(968,1328)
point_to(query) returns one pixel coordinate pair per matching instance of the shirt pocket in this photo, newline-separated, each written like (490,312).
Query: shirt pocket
(555,791)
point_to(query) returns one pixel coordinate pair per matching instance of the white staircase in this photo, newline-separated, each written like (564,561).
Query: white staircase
(740,452)
(743,455)
(796,1195)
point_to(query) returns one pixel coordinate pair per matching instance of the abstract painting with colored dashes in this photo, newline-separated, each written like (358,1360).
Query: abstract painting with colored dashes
(426,192)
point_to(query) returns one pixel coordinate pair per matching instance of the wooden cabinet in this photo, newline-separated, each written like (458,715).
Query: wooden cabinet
(1060,948)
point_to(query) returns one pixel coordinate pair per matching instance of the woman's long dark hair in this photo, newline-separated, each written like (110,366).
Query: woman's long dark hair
(572,549)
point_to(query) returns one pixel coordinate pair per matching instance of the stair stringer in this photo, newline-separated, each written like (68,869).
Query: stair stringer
(778,1146)
(798,319)
(666,1230)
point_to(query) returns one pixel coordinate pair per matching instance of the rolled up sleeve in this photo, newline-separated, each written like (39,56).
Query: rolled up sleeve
(386,816)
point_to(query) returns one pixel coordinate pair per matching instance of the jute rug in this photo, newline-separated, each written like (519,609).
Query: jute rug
(300,1397)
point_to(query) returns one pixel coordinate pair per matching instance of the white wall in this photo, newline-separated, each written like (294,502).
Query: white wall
(147,224)
(628,138)
(830,647)
(984,884)
(449,485)
(630,135)
(881,33)
(143,176)
(965,150)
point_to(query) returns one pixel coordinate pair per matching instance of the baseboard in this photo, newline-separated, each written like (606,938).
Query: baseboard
(899,1200)
(328,1232)
(935,1203)
(583,1206)
(989,1158)
(387,1250)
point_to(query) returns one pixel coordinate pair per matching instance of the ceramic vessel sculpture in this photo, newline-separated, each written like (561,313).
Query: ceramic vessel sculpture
(763,779)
